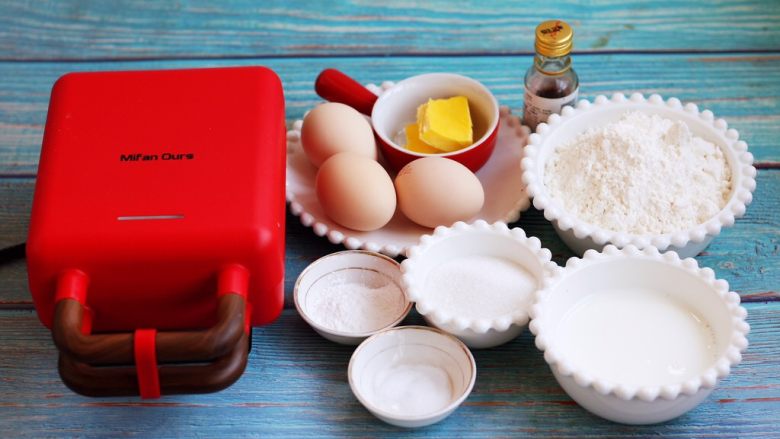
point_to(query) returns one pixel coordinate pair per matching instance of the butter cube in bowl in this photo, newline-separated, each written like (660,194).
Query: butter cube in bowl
(440,114)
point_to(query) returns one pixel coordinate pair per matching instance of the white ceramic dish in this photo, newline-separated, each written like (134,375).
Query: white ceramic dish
(412,376)
(581,236)
(500,247)
(638,337)
(505,194)
(348,266)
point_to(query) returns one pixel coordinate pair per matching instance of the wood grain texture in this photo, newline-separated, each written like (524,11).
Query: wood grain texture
(16,196)
(46,30)
(296,385)
(743,89)
(296,382)
(746,255)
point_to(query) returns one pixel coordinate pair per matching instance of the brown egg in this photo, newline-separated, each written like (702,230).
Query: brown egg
(332,128)
(436,191)
(355,191)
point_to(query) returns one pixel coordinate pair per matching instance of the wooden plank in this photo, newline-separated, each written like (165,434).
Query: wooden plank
(747,255)
(15,203)
(296,385)
(13,285)
(51,30)
(745,85)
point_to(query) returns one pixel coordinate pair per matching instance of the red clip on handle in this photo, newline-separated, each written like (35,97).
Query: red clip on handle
(146,363)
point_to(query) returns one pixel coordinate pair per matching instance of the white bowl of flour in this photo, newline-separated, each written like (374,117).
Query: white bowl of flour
(638,337)
(476,281)
(639,171)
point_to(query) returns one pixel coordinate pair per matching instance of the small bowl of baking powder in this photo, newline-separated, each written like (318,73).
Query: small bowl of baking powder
(643,171)
(350,295)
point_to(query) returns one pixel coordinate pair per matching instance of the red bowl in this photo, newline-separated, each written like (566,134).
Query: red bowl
(397,107)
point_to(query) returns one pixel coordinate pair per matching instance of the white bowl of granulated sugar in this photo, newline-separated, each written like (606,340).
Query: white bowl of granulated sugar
(476,281)
(350,295)
(639,171)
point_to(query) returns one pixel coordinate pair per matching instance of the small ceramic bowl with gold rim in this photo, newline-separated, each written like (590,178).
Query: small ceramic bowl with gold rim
(350,295)
(412,376)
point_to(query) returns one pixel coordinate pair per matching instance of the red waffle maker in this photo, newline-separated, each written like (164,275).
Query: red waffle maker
(157,232)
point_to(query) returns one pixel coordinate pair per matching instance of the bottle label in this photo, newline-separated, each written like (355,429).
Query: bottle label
(537,109)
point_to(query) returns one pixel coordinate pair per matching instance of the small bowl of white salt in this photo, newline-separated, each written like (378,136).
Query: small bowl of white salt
(641,171)
(350,295)
(476,281)
(412,376)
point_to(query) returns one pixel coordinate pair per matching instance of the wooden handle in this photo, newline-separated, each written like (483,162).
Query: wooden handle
(88,380)
(172,346)
(139,362)
(334,86)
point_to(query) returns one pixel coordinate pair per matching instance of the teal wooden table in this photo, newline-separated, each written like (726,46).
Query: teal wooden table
(723,55)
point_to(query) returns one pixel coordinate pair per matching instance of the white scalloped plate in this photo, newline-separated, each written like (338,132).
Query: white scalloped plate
(505,194)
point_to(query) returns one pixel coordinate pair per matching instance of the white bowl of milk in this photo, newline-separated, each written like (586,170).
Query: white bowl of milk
(412,376)
(638,337)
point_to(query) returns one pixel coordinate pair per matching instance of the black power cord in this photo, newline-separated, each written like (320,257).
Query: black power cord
(12,253)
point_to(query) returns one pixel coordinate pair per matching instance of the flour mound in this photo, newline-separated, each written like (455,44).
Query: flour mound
(642,174)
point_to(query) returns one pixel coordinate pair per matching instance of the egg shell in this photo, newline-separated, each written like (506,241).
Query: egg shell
(331,128)
(436,191)
(356,192)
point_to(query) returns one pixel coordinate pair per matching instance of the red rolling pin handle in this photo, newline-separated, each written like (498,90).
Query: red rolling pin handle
(334,86)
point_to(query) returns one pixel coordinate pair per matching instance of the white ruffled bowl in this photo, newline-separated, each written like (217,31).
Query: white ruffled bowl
(448,244)
(636,336)
(581,236)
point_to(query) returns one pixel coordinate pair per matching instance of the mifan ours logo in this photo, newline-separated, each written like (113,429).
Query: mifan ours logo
(166,156)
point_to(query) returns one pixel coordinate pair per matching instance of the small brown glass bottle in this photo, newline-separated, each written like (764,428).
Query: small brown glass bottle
(550,83)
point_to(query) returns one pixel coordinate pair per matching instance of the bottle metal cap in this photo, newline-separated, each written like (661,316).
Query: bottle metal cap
(554,38)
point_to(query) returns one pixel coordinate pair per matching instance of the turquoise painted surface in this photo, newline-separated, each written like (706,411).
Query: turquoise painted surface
(295,385)
(53,29)
(742,88)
